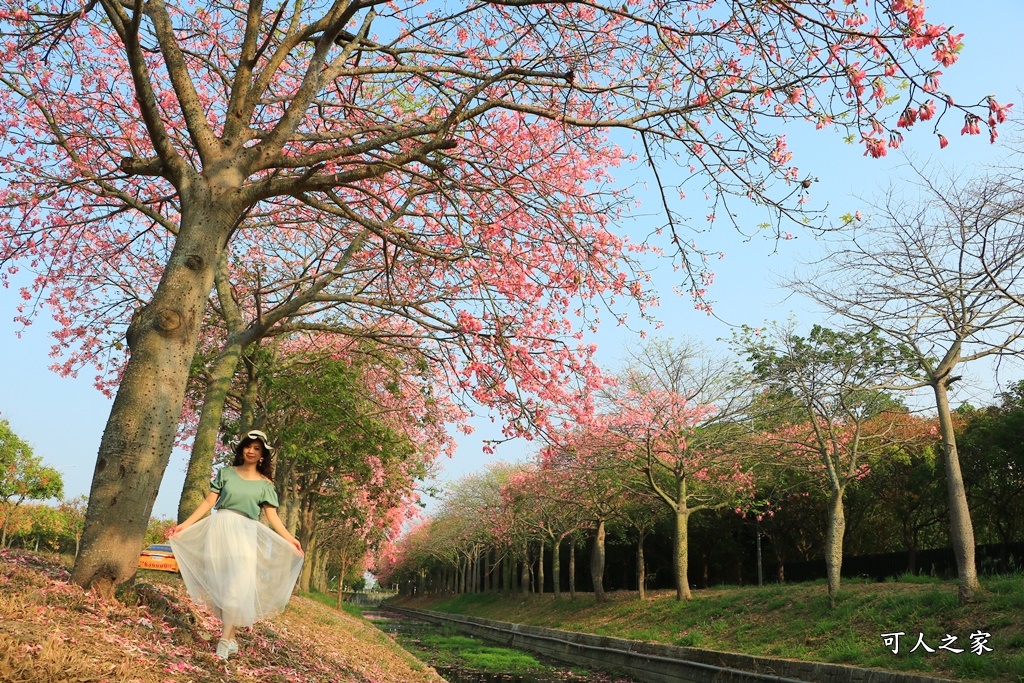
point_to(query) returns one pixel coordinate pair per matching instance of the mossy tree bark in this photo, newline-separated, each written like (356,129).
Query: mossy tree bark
(140,432)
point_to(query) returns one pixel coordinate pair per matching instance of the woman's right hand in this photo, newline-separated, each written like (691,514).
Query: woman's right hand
(204,507)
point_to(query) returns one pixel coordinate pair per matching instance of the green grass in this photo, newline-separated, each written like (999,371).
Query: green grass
(332,601)
(795,621)
(499,660)
(907,577)
(449,649)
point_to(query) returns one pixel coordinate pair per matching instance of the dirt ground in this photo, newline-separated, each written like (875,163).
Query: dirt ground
(53,631)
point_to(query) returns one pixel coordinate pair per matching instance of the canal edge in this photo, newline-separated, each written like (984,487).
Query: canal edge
(659,663)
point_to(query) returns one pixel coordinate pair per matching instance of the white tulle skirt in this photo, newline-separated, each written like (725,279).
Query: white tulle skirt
(238,567)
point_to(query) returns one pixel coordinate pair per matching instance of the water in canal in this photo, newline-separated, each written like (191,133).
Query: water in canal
(465,659)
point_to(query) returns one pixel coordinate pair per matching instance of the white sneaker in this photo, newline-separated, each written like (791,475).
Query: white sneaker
(232,646)
(224,649)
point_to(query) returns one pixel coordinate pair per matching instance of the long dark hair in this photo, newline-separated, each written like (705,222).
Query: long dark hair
(265,465)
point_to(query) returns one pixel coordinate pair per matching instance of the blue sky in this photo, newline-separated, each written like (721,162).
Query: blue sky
(63,419)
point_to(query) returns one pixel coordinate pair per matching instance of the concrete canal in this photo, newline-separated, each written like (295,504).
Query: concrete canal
(639,660)
(459,658)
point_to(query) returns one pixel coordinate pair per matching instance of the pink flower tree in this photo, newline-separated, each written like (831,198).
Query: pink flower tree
(491,532)
(138,140)
(545,491)
(297,276)
(673,419)
(827,412)
(467,521)
(469,540)
(409,561)
(512,524)
(597,487)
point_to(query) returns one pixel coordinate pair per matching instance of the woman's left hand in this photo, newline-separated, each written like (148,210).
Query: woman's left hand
(298,547)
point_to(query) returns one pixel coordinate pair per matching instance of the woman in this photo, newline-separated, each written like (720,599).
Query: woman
(230,561)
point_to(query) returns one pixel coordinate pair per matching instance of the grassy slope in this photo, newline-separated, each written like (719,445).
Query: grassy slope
(794,621)
(53,631)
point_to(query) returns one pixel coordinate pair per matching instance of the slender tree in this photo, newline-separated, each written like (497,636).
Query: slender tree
(673,421)
(915,274)
(641,515)
(74,513)
(831,380)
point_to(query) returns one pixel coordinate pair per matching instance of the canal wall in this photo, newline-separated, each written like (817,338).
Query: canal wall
(656,663)
(366,598)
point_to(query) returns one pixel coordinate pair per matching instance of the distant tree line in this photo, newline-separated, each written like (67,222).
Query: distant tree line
(537,527)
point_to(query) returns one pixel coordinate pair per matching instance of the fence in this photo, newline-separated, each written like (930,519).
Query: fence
(939,562)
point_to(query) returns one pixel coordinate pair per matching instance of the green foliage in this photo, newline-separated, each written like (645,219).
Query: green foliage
(317,406)
(827,366)
(991,445)
(156,530)
(343,453)
(33,525)
(23,476)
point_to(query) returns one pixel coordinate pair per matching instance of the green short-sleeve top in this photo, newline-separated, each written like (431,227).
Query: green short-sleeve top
(242,495)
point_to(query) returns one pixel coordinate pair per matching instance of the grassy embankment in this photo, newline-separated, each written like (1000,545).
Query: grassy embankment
(51,630)
(794,621)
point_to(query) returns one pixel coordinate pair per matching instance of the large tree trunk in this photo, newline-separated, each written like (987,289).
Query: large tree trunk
(681,555)
(834,543)
(524,571)
(540,569)
(139,435)
(572,569)
(556,566)
(641,569)
(961,530)
(287,486)
(319,582)
(597,556)
(200,463)
(309,545)
(488,579)
(307,536)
